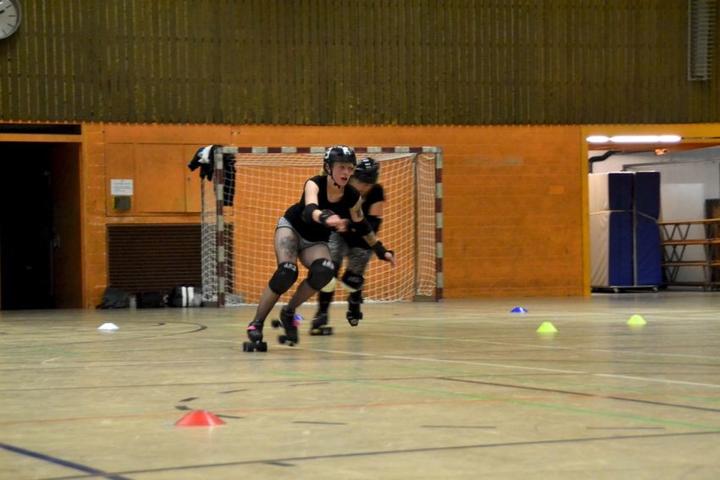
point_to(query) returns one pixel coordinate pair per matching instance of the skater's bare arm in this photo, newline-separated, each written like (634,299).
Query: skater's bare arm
(315,214)
(376,209)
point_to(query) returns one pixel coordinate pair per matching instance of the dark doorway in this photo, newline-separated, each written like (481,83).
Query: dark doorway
(39,226)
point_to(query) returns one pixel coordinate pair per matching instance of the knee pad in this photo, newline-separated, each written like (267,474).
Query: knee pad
(283,278)
(330,287)
(322,271)
(352,281)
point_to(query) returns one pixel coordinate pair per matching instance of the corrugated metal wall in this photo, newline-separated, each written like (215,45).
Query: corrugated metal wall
(354,62)
(153,257)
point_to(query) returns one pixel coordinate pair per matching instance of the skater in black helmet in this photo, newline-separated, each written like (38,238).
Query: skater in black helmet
(351,245)
(328,203)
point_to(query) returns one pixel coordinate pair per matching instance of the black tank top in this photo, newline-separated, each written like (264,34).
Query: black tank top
(313,231)
(374,195)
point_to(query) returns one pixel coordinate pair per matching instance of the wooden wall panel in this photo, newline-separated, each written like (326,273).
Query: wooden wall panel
(160,178)
(162,183)
(512,201)
(119,164)
(354,62)
(514,197)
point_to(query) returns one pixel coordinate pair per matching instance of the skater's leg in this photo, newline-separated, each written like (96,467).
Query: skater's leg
(354,314)
(325,296)
(321,270)
(286,247)
(324,301)
(338,249)
(358,259)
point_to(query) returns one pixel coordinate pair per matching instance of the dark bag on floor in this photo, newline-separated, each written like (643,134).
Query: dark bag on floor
(151,300)
(114,298)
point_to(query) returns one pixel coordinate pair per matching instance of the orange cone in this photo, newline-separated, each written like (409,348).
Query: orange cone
(199,418)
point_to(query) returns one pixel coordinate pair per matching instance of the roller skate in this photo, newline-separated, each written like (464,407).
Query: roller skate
(255,335)
(320,326)
(354,315)
(290,321)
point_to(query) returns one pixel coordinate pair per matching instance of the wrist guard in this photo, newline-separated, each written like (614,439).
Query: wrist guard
(324,215)
(380,250)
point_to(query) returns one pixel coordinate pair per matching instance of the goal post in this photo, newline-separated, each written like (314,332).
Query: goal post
(252,186)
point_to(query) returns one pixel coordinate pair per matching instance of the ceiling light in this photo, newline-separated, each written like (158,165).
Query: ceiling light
(634,139)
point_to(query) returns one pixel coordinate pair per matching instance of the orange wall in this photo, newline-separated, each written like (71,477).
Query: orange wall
(512,201)
(513,196)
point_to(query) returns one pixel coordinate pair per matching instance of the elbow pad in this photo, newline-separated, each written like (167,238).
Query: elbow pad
(308,211)
(362,227)
(374,222)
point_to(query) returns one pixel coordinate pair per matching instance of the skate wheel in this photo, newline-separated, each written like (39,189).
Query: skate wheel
(261,346)
(321,331)
(282,339)
(275,323)
(248,347)
(354,322)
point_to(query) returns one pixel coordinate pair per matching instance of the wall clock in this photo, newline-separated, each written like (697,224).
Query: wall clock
(10,17)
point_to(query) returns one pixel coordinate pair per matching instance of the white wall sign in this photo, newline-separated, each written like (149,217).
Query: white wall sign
(121,187)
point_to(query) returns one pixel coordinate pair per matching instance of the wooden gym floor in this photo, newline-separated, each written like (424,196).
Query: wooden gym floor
(458,389)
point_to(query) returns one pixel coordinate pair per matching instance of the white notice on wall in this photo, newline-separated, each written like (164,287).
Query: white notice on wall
(121,187)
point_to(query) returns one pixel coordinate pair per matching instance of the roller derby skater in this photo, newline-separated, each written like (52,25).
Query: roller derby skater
(352,245)
(328,203)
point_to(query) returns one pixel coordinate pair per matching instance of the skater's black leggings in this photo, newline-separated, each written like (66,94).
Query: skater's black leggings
(287,249)
(357,262)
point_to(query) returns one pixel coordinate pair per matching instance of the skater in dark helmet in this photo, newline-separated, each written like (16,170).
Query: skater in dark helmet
(351,245)
(328,203)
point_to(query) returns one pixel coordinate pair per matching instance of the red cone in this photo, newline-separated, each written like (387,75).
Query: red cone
(199,418)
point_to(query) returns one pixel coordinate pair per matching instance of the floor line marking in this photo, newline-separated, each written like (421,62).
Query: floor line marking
(518,367)
(64,463)
(657,380)
(287,461)
(550,347)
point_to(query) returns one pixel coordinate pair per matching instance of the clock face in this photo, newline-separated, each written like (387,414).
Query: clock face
(9,17)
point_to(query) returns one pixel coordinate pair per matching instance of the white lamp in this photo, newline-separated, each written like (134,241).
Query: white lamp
(634,139)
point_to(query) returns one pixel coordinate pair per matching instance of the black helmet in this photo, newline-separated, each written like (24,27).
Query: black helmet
(367,170)
(338,153)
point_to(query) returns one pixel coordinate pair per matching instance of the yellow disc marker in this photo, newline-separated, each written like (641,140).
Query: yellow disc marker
(636,321)
(546,327)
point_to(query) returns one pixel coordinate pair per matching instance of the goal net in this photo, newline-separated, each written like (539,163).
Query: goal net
(241,206)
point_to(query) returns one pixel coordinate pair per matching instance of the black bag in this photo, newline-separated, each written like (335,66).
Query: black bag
(184,296)
(151,300)
(114,298)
